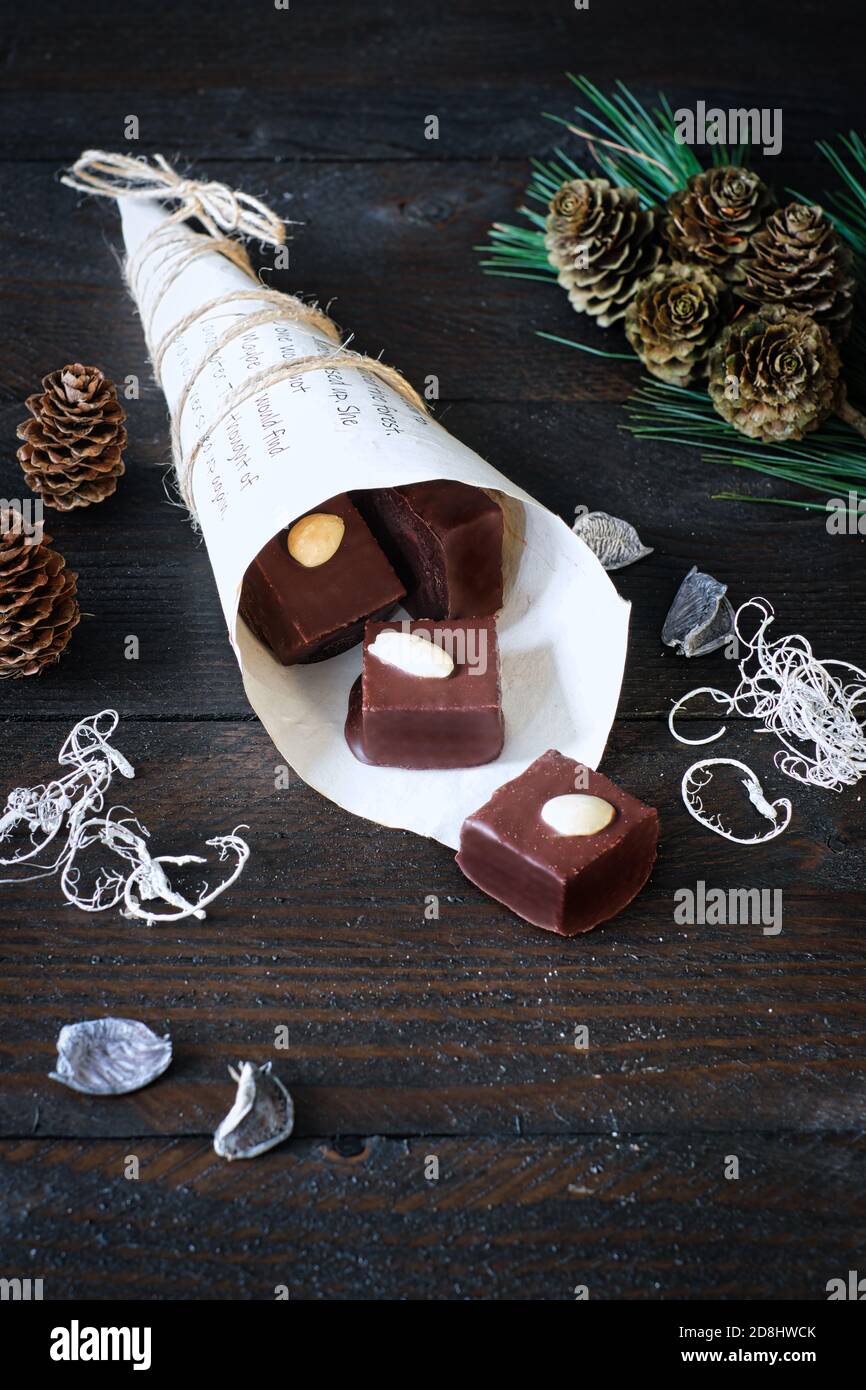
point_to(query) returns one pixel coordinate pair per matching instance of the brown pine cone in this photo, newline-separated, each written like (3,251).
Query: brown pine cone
(72,448)
(710,221)
(38,607)
(601,242)
(674,319)
(799,260)
(775,375)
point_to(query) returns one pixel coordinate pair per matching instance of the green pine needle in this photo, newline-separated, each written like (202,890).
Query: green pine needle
(584,347)
(654,163)
(650,159)
(830,462)
(847,211)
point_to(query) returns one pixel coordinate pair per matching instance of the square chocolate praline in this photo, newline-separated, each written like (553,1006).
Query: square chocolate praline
(401,720)
(563,883)
(444,539)
(308,614)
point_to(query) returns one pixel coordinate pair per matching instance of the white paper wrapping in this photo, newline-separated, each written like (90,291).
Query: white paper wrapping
(563,628)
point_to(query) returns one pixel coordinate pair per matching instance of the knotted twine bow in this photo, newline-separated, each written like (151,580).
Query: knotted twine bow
(224,213)
(217,207)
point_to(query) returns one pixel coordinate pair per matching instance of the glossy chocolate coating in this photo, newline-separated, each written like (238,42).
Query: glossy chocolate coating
(398,720)
(310,614)
(566,884)
(444,539)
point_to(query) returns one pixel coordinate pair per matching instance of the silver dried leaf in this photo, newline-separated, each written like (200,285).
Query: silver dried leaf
(110,1056)
(700,618)
(262,1116)
(614,542)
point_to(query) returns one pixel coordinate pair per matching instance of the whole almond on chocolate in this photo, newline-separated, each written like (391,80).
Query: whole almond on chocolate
(577,813)
(314,539)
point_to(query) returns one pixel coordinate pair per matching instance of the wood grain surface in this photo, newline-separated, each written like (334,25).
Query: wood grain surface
(408,1038)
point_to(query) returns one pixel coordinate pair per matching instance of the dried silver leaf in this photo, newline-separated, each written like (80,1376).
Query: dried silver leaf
(614,542)
(262,1116)
(110,1056)
(700,618)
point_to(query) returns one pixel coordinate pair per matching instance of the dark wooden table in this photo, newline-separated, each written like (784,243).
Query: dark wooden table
(410,1038)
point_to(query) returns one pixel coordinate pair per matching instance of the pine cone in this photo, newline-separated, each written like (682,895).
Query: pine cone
(38,607)
(797,259)
(72,448)
(775,375)
(674,319)
(602,242)
(710,221)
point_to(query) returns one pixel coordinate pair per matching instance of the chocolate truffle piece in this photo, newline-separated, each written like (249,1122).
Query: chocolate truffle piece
(444,539)
(560,845)
(309,591)
(428,695)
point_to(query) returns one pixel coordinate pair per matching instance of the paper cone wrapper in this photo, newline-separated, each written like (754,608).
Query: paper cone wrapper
(563,629)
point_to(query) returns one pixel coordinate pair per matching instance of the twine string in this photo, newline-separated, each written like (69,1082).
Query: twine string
(224,213)
(218,207)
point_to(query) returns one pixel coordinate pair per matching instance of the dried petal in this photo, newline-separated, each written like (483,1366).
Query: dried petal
(262,1115)
(614,542)
(110,1056)
(700,618)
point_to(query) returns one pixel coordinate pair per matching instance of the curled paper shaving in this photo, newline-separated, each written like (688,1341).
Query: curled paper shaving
(110,1056)
(76,802)
(808,706)
(720,698)
(693,783)
(614,542)
(41,810)
(261,1117)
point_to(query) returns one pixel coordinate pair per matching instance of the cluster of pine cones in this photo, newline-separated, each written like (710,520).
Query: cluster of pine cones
(72,456)
(715,284)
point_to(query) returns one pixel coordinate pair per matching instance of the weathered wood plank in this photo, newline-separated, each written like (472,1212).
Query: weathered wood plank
(651,1219)
(356,83)
(400,1025)
(702,1038)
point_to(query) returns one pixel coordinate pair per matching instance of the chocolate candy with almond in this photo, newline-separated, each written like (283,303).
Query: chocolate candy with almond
(309,591)
(560,845)
(428,696)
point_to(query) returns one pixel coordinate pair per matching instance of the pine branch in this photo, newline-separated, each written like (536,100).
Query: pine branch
(631,146)
(636,147)
(830,462)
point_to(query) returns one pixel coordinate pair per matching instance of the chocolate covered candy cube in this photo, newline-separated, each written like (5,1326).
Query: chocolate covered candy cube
(560,845)
(444,539)
(309,591)
(428,696)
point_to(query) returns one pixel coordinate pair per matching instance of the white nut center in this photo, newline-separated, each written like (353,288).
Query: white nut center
(414,655)
(577,814)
